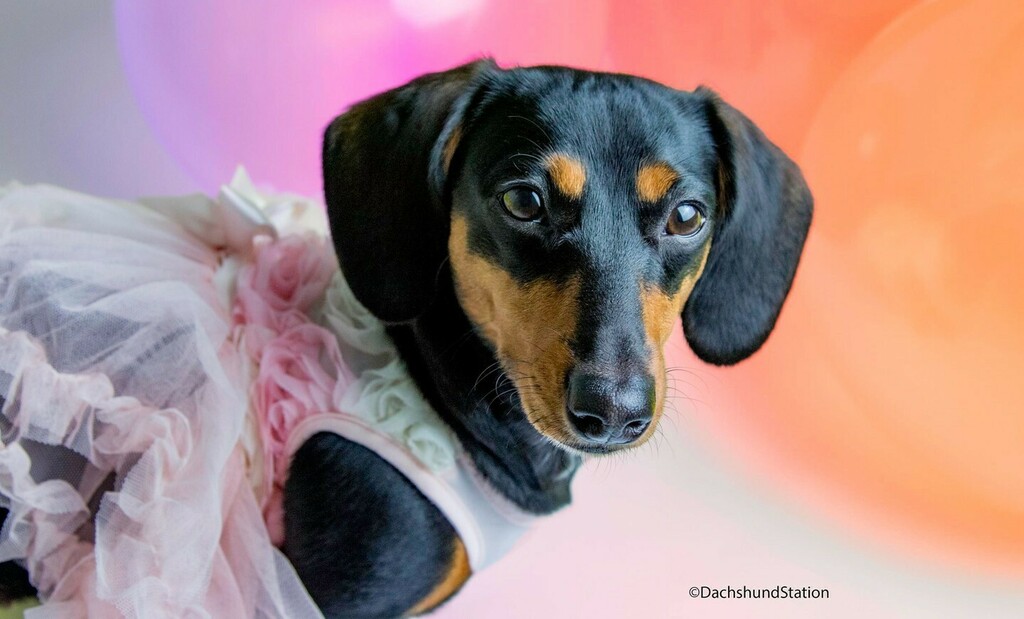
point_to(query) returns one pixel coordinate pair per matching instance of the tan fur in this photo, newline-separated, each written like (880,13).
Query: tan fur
(660,313)
(528,325)
(458,573)
(654,180)
(568,174)
(450,146)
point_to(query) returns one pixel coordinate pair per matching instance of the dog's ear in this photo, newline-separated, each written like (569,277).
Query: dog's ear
(764,213)
(384,163)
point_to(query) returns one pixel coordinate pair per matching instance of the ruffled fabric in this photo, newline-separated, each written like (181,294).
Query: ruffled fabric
(155,358)
(275,294)
(354,325)
(123,400)
(288,213)
(300,367)
(390,402)
(303,372)
(384,395)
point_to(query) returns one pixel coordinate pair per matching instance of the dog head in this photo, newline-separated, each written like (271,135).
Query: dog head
(580,214)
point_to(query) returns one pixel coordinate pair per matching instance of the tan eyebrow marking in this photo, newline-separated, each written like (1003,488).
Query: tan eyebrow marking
(568,174)
(654,180)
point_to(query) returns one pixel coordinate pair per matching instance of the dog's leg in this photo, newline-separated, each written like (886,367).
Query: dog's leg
(363,539)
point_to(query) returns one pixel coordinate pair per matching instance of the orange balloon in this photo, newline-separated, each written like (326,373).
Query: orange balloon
(773,59)
(892,395)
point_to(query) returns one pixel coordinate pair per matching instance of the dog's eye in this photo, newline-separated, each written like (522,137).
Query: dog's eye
(522,203)
(686,220)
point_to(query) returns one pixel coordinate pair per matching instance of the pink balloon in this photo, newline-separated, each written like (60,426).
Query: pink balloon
(226,83)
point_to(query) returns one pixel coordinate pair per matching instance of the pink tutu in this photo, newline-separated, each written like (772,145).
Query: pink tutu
(160,363)
(133,474)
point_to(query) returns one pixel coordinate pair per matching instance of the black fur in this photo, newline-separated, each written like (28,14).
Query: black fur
(753,259)
(456,373)
(390,202)
(363,539)
(381,156)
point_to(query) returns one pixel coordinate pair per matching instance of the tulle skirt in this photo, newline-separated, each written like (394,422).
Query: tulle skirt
(123,409)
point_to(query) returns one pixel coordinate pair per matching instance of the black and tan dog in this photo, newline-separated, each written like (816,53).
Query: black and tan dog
(555,222)
(548,226)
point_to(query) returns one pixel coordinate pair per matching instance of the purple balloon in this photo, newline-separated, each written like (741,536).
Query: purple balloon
(222,84)
(229,82)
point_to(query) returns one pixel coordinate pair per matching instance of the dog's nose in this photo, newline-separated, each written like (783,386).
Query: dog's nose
(610,411)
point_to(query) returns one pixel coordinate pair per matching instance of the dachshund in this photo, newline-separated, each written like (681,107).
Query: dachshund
(529,236)
(556,222)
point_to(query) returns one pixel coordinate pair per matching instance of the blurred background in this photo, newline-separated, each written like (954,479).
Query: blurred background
(874,447)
